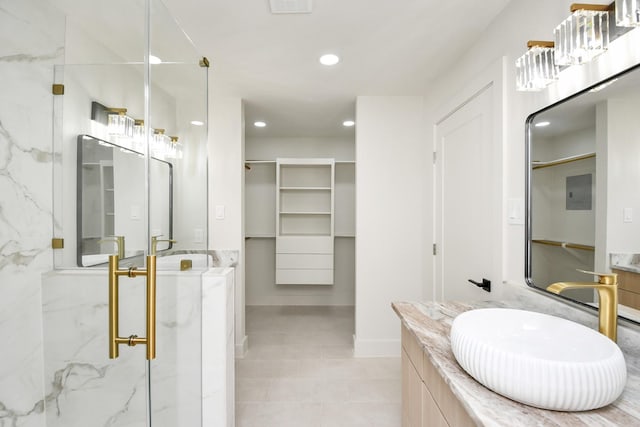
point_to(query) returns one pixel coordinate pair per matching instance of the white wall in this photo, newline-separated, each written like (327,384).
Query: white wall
(391,155)
(226,183)
(623,185)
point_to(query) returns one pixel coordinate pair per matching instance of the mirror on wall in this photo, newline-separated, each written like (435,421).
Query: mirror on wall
(583,191)
(110,208)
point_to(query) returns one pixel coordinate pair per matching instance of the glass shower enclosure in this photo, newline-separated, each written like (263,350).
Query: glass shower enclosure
(130,199)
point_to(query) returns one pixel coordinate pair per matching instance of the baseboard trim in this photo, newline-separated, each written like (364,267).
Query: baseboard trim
(376,348)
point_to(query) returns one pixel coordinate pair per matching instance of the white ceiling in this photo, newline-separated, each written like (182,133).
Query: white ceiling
(387,47)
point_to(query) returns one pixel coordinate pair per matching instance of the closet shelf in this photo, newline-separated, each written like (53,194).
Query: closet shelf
(303,213)
(562,161)
(305,188)
(564,244)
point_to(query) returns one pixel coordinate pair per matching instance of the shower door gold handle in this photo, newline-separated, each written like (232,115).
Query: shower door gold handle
(114,312)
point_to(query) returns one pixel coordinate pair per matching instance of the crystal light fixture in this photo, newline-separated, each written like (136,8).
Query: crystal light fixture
(627,13)
(160,145)
(118,123)
(536,68)
(582,36)
(138,136)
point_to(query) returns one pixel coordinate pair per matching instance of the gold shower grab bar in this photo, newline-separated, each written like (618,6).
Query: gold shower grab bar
(565,244)
(114,311)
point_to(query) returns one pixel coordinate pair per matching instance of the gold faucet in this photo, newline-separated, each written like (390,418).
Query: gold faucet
(607,288)
(119,240)
(155,241)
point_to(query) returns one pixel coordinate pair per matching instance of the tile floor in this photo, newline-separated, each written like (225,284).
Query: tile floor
(300,371)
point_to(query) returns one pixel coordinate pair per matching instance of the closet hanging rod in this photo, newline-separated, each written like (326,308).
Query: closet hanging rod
(565,244)
(539,164)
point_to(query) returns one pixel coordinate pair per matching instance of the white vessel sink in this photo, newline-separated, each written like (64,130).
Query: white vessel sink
(539,360)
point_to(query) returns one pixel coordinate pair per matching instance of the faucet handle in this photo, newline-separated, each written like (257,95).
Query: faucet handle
(603,278)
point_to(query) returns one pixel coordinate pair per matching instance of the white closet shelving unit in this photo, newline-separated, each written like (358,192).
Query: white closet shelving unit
(305,221)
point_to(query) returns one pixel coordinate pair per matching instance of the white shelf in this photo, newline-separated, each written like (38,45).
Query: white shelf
(303,213)
(304,221)
(305,188)
(302,234)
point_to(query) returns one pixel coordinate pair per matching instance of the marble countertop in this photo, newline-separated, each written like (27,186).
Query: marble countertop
(625,262)
(430,323)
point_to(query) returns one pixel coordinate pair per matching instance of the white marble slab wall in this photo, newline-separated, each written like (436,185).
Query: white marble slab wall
(218,346)
(86,388)
(31,42)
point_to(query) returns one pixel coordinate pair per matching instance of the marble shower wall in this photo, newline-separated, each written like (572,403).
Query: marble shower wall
(31,42)
(83,387)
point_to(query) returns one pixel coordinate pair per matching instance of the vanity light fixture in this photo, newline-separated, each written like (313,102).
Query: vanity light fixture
(119,124)
(259,124)
(118,128)
(627,13)
(329,59)
(536,68)
(348,123)
(582,36)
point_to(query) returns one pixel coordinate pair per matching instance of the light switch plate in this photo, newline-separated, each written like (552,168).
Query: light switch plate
(136,212)
(219,211)
(515,211)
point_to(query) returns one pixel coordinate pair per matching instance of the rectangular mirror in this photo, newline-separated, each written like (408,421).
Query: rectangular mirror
(583,190)
(111,181)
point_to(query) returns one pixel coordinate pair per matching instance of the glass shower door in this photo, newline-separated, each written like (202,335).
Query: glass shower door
(117,194)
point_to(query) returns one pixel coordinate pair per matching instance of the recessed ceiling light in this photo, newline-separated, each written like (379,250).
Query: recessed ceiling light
(348,123)
(197,123)
(329,59)
(154,60)
(542,124)
(259,124)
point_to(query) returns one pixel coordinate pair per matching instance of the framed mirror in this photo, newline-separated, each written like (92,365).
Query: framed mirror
(583,191)
(110,209)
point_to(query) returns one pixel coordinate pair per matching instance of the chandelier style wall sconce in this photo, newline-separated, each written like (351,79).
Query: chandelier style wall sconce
(582,36)
(536,68)
(116,127)
(579,39)
(627,13)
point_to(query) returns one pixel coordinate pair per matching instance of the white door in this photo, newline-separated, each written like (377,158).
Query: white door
(468,199)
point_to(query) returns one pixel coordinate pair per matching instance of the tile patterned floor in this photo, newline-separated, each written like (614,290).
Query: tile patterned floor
(300,372)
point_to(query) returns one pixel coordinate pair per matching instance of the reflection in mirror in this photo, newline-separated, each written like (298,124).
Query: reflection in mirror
(110,203)
(583,181)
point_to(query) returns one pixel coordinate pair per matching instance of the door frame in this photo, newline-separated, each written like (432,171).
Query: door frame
(493,76)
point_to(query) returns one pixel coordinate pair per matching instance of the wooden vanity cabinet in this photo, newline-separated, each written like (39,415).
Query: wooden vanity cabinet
(628,288)
(427,401)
